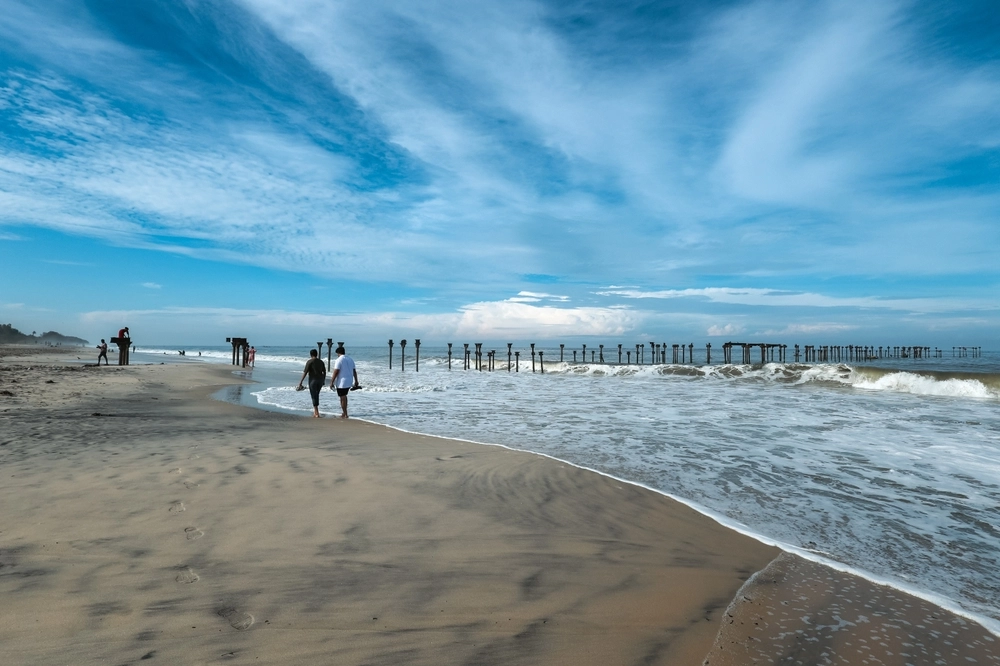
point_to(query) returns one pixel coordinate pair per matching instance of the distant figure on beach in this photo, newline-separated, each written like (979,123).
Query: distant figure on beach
(316,370)
(345,377)
(104,352)
(253,356)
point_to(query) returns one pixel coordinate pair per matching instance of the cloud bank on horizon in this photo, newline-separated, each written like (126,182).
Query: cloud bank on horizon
(757,167)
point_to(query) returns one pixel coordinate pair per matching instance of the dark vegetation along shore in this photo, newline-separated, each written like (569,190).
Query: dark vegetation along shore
(11,336)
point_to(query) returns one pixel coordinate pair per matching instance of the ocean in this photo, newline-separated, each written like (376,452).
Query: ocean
(889,469)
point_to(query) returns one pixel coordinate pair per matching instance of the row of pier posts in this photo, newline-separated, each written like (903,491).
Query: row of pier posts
(416,344)
(479,359)
(838,353)
(769,352)
(974,352)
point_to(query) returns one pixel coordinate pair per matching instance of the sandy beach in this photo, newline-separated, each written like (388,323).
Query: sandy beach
(145,521)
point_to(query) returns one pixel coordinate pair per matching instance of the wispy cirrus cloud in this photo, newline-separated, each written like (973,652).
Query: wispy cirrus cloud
(535,297)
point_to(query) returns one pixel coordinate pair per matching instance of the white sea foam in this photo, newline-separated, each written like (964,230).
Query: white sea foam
(908,382)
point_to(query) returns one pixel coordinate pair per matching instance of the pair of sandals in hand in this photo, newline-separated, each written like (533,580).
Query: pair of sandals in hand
(300,387)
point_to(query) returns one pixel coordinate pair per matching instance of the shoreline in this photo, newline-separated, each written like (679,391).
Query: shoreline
(990,624)
(144,519)
(542,471)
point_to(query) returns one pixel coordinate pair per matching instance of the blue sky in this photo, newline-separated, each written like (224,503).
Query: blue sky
(822,172)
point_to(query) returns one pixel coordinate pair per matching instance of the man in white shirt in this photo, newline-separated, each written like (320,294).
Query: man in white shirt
(345,377)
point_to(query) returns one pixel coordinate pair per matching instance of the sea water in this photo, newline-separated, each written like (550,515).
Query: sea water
(890,470)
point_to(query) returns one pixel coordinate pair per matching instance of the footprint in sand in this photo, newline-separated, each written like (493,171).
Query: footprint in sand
(238,620)
(177,507)
(189,484)
(187,575)
(176,470)
(193,533)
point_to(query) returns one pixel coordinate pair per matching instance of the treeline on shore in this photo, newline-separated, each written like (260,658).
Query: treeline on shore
(10,335)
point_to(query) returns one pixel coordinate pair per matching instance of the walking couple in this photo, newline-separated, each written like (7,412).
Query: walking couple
(345,378)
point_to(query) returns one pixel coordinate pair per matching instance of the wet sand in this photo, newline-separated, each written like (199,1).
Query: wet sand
(800,612)
(144,521)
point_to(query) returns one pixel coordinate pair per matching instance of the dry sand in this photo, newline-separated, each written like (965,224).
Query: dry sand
(144,521)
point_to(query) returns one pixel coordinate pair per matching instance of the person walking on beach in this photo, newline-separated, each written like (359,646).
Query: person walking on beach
(345,377)
(317,377)
(253,357)
(104,353)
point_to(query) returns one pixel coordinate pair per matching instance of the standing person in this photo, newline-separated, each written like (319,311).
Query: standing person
(317,377)
(253,357)
(345,377)
(104,353)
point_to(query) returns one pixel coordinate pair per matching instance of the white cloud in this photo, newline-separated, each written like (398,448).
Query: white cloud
(535,297)
(151,285)
(728,329)
(809,329)
(780,298)
(519,319)
(488,319)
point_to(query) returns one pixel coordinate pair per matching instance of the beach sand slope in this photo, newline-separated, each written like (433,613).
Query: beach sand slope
(144,521)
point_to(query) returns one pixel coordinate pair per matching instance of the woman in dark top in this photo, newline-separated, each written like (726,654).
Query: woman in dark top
(317,377)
